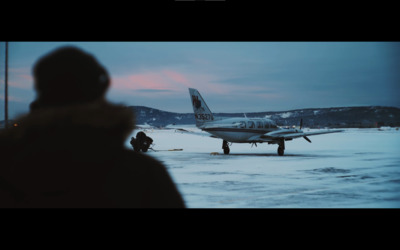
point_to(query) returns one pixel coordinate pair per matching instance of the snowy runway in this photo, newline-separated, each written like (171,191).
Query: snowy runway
(358,168)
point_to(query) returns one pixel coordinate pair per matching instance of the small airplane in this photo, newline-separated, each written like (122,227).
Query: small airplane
(243,129)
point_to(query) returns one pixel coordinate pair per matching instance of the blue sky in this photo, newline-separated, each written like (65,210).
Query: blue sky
(231,76)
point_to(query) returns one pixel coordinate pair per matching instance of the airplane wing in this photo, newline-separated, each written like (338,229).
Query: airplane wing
(220,125)
(184,131)
(287,134)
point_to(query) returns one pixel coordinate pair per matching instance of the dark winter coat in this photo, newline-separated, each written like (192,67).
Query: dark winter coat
(75,156)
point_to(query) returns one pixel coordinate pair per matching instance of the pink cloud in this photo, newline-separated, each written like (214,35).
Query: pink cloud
(146,81)
(19,78)
(13,99)
(27,77)
(178,82)
(178,77)
(154,80)
(19,83)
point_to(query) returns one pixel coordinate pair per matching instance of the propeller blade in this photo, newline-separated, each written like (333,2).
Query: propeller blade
(305,137)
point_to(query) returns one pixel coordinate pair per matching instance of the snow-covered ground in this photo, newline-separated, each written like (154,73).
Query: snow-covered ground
(358,168)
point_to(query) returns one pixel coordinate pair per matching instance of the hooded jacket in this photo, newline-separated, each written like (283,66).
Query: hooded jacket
(74,157)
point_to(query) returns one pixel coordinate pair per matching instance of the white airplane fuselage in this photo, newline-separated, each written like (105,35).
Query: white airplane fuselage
(241,130)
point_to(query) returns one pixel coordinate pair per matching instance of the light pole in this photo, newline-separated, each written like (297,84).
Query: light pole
(6,90)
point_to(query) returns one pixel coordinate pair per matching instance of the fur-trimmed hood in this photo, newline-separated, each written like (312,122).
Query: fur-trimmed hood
(97,121)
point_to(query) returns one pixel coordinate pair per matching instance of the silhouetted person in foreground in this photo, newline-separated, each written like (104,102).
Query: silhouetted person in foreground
(69,150)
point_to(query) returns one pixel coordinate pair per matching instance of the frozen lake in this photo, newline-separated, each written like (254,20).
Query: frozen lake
(358,168)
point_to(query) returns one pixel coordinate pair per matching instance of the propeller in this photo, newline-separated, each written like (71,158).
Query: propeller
(305,137)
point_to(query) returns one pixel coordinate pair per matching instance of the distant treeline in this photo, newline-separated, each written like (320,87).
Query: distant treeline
(343,117)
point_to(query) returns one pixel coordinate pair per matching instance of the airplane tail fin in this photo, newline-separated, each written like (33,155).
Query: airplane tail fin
(201,111)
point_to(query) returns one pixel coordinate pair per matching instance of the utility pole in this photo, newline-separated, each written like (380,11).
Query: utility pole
(6,90)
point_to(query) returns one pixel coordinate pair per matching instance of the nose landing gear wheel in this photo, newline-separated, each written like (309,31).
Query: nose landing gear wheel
(225,147)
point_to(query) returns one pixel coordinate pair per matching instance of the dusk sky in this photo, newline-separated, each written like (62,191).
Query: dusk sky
(231,76)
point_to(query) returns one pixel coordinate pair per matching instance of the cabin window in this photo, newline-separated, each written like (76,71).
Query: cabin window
(266,125)
(273,126)
(242,125)
(259,125)
(250,124)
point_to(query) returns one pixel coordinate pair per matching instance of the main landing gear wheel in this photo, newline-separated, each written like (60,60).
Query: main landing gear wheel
(225,147)
(281,151)
(281,148)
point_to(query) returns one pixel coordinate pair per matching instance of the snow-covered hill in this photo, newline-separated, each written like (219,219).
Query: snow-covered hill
(356,117)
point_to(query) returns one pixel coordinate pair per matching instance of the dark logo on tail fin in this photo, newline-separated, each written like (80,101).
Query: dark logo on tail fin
(196,101)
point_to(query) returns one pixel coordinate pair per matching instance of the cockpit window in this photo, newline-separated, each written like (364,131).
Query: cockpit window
(266,125)
(259,124)
(242,125)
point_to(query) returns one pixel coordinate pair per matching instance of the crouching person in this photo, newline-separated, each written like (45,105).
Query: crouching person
(142,142)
